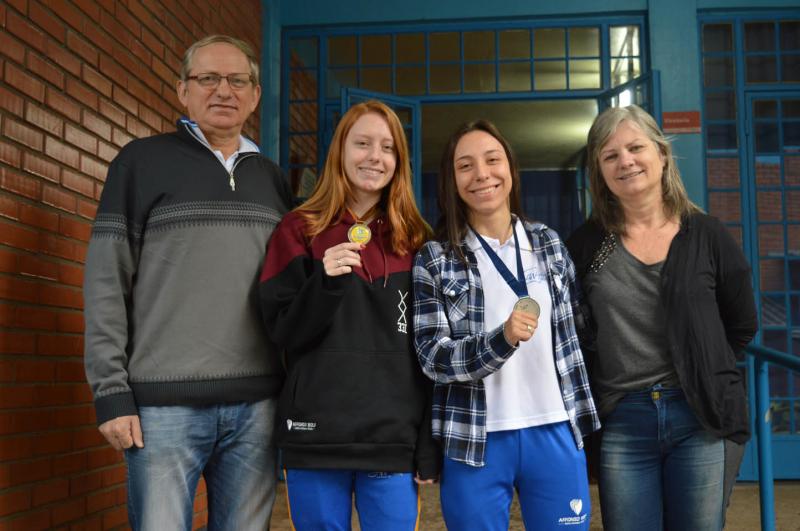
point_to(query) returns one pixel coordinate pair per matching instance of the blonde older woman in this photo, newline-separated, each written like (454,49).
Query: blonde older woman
(672,306)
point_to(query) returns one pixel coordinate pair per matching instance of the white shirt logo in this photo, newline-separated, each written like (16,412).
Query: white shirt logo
(576,505)
(402,326)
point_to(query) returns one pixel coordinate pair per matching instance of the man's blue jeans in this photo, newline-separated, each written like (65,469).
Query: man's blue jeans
(230,444)
(659,468)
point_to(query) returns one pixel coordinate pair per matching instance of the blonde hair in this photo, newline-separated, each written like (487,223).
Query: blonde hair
(245,48)
(606,208)
(333,190)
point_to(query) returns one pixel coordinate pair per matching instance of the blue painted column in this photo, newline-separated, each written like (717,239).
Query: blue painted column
(675,51)
(270,109)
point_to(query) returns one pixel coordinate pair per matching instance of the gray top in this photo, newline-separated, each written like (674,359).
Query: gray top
(632,353)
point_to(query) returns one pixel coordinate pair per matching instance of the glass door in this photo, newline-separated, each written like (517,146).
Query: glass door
(772,230)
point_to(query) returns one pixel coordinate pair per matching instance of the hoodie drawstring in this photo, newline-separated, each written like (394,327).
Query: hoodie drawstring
(383,253)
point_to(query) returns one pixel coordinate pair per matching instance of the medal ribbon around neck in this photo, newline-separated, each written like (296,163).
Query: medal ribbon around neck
(525,303)
(517,284)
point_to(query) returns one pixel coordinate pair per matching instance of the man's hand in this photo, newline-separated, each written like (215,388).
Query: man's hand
(123,432)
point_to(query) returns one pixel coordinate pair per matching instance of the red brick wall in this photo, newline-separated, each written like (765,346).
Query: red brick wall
(78,80)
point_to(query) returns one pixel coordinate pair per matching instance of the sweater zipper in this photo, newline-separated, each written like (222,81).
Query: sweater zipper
(239,159)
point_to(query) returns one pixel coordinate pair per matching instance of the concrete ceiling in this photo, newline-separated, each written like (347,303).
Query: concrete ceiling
(543,134)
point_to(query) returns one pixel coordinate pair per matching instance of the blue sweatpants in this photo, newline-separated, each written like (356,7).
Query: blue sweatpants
(322,500)
(541,463)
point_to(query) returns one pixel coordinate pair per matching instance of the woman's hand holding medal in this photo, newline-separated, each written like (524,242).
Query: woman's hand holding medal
(341,259)
(520,326)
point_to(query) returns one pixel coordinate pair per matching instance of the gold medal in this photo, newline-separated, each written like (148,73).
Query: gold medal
(527,305)
(359,233)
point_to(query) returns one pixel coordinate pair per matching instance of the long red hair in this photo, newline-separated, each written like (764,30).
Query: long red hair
(333,190)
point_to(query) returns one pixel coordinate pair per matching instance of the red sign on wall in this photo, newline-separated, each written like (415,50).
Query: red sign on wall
(681,122)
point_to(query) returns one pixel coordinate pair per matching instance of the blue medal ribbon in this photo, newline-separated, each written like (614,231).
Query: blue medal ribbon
(517,284)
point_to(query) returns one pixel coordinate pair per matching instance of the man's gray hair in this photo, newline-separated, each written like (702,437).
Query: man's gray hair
(245,48)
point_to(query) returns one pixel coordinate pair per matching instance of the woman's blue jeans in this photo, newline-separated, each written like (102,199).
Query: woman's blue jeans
(659,468)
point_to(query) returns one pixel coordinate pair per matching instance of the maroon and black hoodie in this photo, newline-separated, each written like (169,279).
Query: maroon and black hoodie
(355,397)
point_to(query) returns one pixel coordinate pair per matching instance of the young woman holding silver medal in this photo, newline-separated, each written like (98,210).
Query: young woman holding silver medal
(335,290)
(494,309)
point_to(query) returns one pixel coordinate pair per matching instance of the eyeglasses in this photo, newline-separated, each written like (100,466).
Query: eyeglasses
(210,80)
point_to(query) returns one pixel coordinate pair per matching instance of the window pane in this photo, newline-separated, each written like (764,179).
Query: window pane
(377,79)
(771,275)
(717,38)
(768,170)
(773,310)
(790,67)
(765,108)
(302,180)
(723,173)
(410,48)
(515,44)
(549,75)
(793,205)
(769,206)
(791,136)
(759,36)
(725,205)
(338,78)
(584,42)
(790,109)
(404,115)
(623,70)
(781,409)
(548,43)
(721,106)
(722,136)
(410,80)
(790,35)
(761,69)
(479,45)
(342,50)
(791,171)
(445,79)
(303,149)
(302,85)
(717,71)
(515,77)
(479,77)
(302,117)
(624,40)
(793,248)
(303,52)
(794,274)
(584,73)
(770,240)
(766,137)
(376,49)
(445,47)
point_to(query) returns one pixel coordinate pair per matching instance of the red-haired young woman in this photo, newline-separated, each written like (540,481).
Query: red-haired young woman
(335,290)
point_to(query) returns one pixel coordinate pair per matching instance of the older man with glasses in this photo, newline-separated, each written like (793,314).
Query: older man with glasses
(183,376)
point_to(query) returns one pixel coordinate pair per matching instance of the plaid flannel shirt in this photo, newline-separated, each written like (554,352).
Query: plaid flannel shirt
(457,353)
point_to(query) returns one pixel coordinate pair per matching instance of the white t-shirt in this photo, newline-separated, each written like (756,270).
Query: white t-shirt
(525,391)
